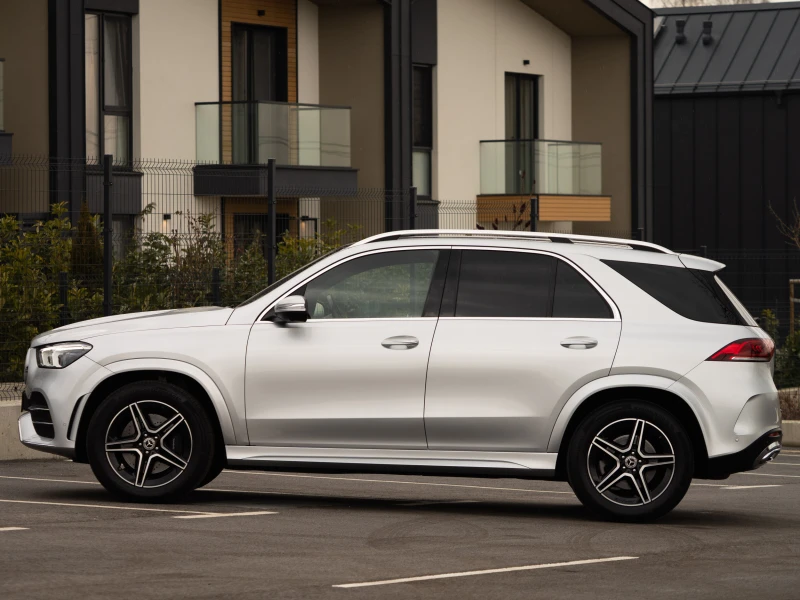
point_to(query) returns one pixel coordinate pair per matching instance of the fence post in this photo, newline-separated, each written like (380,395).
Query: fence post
(216,296)
(704,251)
(534,211)
(272,227)
(412,208)
(108,240)
(63,316)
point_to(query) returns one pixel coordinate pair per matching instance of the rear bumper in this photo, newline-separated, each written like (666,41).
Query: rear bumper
(756,455)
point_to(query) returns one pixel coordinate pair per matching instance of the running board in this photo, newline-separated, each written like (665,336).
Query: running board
(514,464)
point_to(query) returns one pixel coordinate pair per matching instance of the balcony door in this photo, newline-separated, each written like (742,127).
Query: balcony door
(259,74)
(522,126)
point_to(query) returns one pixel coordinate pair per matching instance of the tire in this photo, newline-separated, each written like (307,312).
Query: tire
(219,462)
(150,441)
(623,481)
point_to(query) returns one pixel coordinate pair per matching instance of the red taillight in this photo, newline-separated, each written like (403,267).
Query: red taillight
(751,349)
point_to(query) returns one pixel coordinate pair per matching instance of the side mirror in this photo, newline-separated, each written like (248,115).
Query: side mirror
(291,309)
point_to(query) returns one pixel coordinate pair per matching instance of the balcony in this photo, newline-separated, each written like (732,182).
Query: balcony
(310,143)
(565,176)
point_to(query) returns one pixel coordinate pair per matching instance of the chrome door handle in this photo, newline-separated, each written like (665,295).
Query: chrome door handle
(400,342)
(579,343)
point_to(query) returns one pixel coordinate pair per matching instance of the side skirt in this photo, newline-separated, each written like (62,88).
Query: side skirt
(533,465)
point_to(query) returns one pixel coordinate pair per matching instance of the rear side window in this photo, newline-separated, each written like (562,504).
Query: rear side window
(576,298)
(505,284)
(691,293)
(524,285)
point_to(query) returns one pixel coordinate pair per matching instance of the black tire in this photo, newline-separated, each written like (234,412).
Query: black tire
(617,487)
(219,462)
(171,439)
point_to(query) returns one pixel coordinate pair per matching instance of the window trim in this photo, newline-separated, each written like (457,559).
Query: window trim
(453,280)
(262,318)
(102,108)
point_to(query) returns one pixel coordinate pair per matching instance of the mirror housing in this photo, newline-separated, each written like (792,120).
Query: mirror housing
(291,309)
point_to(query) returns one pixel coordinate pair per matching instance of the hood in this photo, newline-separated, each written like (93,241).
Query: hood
(203,316)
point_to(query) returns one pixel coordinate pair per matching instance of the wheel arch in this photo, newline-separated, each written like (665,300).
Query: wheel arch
(676,405)
(132,371)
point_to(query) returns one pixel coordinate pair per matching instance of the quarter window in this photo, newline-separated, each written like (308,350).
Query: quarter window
(576,298)
(377,286)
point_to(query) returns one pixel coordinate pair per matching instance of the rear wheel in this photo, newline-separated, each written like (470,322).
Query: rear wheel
(150,441)
(630,461)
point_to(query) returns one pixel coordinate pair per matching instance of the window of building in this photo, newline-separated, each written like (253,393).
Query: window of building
(109,83)
(422,133)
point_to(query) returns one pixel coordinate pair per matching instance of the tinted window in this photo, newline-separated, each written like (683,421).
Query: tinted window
(690,293)
(505,284)
(378,286)
(577,298)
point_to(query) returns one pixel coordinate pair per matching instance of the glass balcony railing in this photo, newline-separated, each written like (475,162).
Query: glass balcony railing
(292,134)
(523,167)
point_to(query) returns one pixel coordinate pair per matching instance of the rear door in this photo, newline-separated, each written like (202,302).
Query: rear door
(519,332)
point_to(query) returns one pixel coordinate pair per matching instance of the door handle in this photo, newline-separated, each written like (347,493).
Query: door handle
(400,342)
(579,343)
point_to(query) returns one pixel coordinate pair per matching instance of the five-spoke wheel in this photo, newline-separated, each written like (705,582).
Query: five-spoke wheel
(151,440)
(630,460)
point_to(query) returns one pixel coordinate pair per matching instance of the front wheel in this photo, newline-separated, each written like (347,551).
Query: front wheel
(630,461)
(150,440)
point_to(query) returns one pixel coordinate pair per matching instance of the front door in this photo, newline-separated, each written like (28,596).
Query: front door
(353,375)
(522,128)
(519,333)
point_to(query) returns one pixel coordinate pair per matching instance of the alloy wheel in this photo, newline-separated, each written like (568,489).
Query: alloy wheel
(148,444)
(631,462)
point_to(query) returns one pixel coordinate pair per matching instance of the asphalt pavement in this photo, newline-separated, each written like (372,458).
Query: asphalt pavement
(252,534)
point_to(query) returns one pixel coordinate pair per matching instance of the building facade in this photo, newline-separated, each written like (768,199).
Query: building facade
(479,104)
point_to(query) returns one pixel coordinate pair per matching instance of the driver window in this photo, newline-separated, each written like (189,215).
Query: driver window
(378,286)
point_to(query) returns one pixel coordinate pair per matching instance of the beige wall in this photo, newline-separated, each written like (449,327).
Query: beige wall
(23,43)
(479,41)
(351,74)
(601,112)
(185,33)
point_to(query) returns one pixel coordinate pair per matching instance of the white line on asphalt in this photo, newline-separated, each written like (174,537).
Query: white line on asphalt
(217,515)
(717,485)
(571,563)
(138,508)
(13,528)
(53,480)
(455,485)
(768,475)
(747,487)
(784,463)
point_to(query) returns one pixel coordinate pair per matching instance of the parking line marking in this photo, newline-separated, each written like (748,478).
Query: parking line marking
(53,480)
(455,485)
(768,475)
(217,515)
(571,563)
(748,487)
(14,528)
(138,508)
(772,462)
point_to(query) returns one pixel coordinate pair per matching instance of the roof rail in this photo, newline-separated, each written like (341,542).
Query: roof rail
(563,238)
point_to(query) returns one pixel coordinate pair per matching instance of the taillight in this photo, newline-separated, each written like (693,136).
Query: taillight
(748,350)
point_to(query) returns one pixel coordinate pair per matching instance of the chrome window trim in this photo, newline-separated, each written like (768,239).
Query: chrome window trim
(341,262)
(614,309)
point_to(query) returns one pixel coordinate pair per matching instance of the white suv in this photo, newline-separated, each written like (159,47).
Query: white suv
(620,366)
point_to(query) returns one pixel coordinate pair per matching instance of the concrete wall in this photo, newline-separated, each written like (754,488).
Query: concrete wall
(23,43)
(479,41)
(10,446)
(178,65)
(601,112)
(351,74)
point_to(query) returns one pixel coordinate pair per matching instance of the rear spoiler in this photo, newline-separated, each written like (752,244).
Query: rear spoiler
(690,261)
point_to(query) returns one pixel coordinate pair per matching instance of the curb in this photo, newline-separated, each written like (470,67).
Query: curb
(791,433)
(10,446)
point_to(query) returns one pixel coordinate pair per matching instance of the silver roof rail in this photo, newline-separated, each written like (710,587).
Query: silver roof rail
(562,238)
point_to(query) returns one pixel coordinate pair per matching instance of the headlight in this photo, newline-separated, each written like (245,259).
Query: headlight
(58,356)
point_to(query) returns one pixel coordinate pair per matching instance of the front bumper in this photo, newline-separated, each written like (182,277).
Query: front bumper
(756,455)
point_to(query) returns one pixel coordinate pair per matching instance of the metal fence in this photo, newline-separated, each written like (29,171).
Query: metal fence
(80,239)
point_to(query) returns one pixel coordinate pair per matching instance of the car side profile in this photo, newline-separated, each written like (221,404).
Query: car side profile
(618,366)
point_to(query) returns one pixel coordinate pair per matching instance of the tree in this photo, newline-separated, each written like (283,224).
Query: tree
(790,228)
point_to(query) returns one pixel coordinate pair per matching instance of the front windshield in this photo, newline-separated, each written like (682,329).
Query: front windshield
(286,278)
